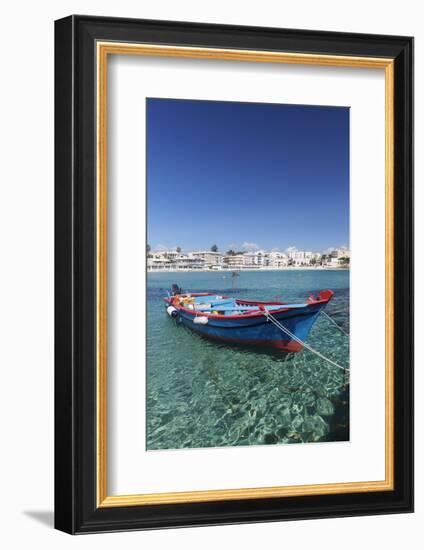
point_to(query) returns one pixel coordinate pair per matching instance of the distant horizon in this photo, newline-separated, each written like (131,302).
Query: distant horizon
(246,174)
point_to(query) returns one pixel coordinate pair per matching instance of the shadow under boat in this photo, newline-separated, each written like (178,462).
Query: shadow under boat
(261,349)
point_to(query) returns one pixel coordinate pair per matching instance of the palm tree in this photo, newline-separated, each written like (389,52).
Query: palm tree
(214,248)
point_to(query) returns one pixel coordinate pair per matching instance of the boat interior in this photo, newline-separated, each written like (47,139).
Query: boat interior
(222,305)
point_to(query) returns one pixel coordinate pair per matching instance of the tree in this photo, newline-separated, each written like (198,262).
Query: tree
(148,248)
(344,260)
(179,249)
(214,248)
(230,253)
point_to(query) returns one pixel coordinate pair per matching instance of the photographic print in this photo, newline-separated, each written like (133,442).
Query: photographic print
(247,274)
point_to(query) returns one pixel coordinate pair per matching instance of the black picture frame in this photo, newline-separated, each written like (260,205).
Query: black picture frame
(76,510)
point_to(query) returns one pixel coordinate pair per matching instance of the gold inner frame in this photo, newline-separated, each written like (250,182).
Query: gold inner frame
(104,49)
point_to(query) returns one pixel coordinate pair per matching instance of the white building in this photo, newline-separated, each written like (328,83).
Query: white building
(235,261)
(262,258)
(169,254)
(339,253)
(277,259)
(302,258)
(157,261)
(299,257)
(187,261)
(210,258)
(250,260)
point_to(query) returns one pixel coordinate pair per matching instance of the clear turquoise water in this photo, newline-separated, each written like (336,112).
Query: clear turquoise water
(203,394)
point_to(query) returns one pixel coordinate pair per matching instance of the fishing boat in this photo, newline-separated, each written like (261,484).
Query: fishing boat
(281,325)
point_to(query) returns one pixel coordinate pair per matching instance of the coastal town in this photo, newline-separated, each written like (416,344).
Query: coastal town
(213,259)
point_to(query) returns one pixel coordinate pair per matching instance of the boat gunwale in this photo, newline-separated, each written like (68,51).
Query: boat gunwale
(260,313)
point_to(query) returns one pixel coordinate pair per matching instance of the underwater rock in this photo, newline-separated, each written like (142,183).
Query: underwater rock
(297,423)
(270,438)
(325,407)
(316,425)
(220,428)
(285,401)
(284,419)
(294,436)
(233,399)
(281,433)
(165,418)
(234,433)
(246,431)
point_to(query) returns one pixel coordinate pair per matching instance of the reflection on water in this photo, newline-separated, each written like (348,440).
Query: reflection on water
(202,394)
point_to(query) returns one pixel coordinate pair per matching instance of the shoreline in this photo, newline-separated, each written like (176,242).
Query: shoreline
(229,271)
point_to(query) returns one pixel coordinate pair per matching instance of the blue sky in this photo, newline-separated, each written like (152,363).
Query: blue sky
(253,174)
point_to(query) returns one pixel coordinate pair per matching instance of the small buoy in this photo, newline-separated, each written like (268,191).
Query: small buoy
(172,311)
(200,320)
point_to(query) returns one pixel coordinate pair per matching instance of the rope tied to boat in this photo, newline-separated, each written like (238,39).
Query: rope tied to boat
(277,323)
(334,322)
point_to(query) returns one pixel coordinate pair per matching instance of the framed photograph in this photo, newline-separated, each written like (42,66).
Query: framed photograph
(234,284)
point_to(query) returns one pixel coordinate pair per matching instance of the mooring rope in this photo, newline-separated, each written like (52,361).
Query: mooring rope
(334,322)
(304,344)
